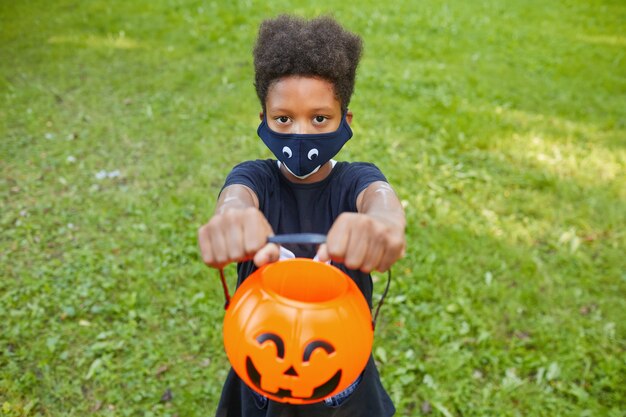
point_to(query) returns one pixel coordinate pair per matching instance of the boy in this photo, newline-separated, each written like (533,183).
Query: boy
(304,77)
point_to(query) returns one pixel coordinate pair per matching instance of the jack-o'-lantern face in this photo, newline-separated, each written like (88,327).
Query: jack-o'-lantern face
(298,337)
(288,375)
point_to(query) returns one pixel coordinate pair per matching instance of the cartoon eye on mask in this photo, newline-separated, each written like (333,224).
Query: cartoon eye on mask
(313,153)
(287,152)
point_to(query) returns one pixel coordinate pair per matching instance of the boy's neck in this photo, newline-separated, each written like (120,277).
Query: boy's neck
(320,175)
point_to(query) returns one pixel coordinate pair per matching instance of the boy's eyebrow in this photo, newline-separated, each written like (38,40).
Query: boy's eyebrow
(323,109)
(327,109)
(277,110)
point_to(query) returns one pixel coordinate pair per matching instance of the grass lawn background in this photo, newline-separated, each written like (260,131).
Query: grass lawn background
(501,125)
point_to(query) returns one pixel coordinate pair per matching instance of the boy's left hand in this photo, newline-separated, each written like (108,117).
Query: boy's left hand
(364,242)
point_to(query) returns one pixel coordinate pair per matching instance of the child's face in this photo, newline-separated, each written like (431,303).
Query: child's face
(302,105)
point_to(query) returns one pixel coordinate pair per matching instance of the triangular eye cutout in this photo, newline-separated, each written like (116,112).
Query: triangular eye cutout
(291,372)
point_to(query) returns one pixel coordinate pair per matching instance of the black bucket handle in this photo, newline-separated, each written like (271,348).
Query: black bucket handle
(304,239)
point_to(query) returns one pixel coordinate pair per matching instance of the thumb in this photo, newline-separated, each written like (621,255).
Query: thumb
(322,253)
(268,253)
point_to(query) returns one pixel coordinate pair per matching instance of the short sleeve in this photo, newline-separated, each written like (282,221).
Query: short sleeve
(257,175)
(357,176)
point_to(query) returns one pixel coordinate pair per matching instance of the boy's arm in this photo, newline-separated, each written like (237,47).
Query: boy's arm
(372,238)
(237,231)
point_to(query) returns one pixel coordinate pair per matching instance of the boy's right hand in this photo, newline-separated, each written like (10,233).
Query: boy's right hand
(237,235)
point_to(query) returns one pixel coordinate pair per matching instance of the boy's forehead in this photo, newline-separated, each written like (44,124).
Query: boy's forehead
(302,90)
(295,83)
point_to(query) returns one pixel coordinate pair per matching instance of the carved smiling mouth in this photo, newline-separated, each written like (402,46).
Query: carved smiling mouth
(318,393)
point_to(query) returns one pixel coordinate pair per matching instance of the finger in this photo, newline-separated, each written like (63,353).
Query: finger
(212,245)
(389,258)
(205,246)
(233,241)
(394,250)
(338,237)
(385,262)
(356,248)
(373,256)
(218,246)
(322,253)
(268,253)
(255,231)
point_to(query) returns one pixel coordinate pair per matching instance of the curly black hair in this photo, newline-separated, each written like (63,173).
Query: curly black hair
(289,45)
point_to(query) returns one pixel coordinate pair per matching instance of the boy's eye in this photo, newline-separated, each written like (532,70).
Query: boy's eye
(282,119)
(319,119)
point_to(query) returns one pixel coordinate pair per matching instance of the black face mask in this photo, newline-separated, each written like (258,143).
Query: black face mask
(304,154)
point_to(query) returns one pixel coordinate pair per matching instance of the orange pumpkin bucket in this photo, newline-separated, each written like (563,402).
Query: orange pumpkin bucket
(298,331)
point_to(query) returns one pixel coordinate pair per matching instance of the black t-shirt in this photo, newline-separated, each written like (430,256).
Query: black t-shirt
(306,208)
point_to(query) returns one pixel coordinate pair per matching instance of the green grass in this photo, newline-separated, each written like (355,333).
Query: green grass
(502,126)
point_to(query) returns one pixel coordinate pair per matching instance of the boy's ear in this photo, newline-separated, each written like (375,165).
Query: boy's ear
(261,115)
(349,117)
